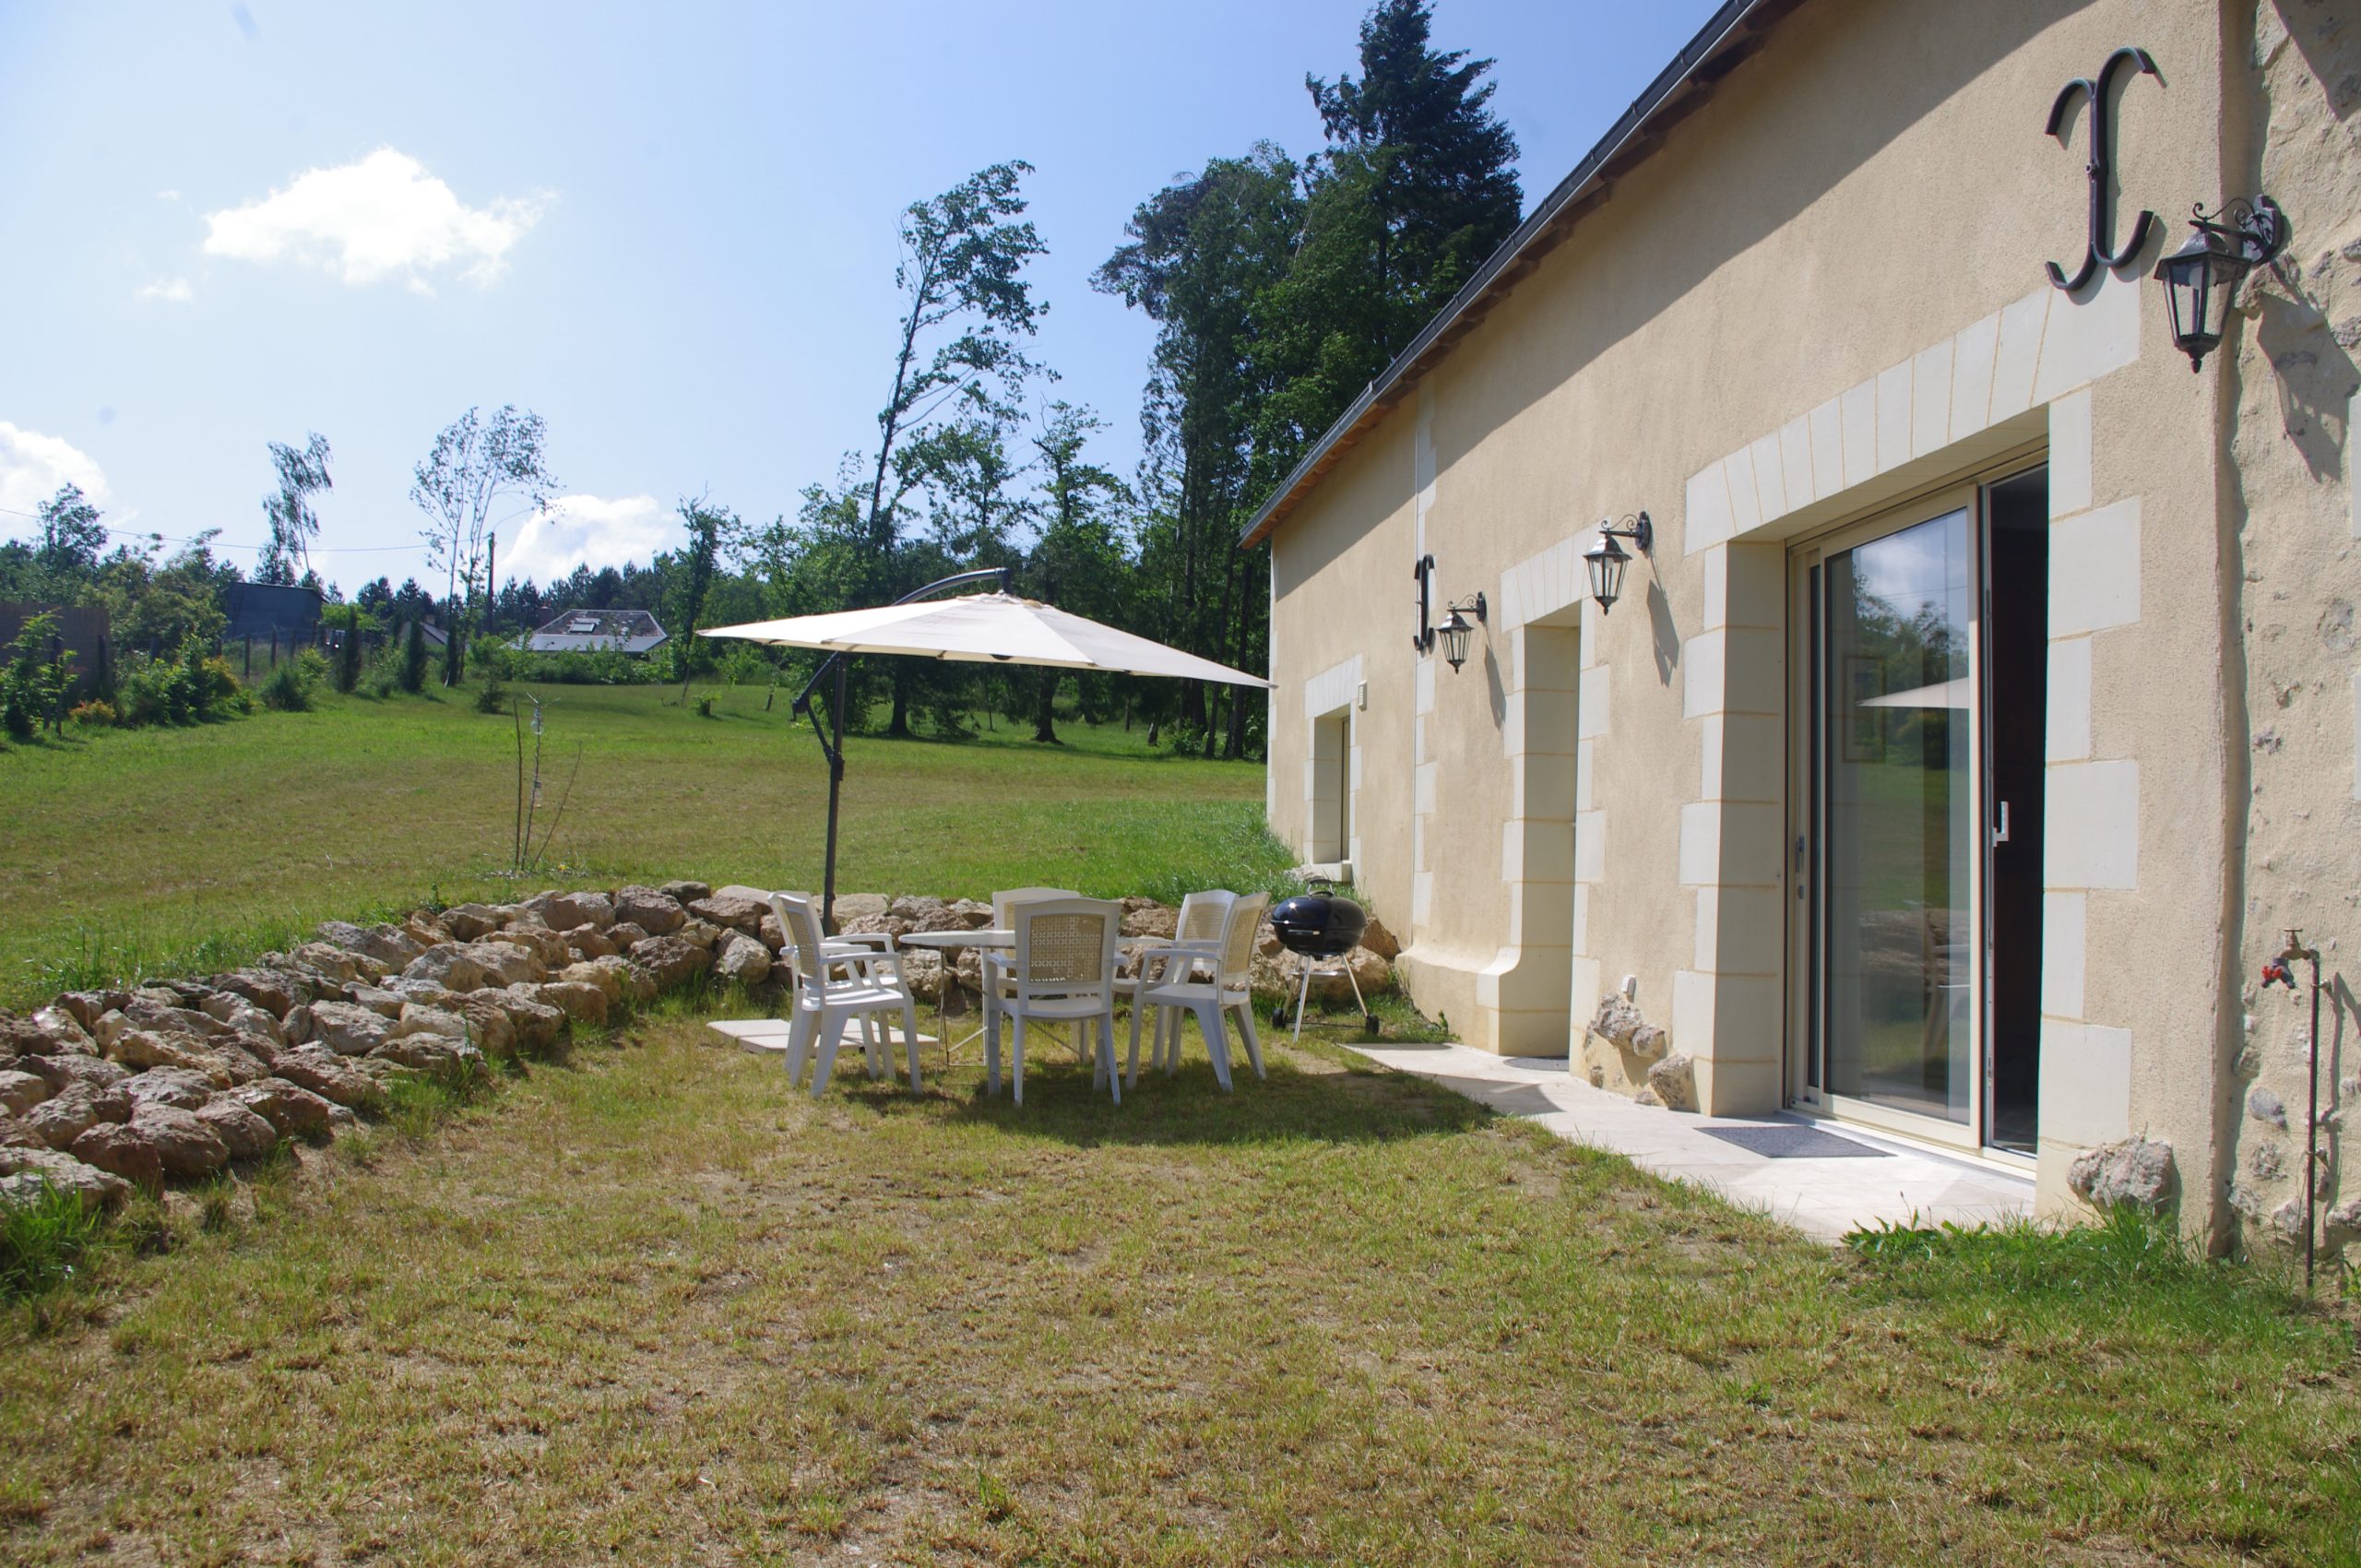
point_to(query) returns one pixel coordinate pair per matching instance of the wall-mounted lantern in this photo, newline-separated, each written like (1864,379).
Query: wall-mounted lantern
(1455,629)
(2202,278)
(1606,560)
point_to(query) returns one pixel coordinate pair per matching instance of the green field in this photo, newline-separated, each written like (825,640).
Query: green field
(161,851)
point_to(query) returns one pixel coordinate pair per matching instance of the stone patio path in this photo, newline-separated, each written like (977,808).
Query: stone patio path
(1821,1178)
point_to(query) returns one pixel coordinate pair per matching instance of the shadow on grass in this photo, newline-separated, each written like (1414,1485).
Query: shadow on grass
(1348,1106)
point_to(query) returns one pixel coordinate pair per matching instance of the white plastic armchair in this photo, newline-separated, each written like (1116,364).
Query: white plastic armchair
(1228,992)
(1198,929)
(1062,970)
(995,965)
(839,984)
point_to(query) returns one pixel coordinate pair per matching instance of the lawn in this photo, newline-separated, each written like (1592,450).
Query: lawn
(653,1306)
(167,851)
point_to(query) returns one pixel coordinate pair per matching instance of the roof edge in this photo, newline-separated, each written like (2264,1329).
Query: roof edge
(1730,34)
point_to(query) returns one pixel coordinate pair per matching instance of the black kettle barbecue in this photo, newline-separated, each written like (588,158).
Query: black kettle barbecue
(1321,927)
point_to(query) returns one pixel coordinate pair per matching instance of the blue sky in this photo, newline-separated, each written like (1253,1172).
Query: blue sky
(669,230)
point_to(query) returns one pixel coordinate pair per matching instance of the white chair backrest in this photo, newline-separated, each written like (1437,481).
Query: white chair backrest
(1204,915)
(800,921)
(1003,902)
(1066,946)
(1238,939)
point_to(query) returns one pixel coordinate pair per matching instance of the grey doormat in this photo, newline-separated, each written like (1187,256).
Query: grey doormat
(1777,1142)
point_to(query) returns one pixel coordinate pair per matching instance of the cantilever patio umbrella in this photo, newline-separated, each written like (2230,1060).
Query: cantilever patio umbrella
(984,628)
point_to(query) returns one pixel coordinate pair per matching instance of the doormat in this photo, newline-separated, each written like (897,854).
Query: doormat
(1776,1142)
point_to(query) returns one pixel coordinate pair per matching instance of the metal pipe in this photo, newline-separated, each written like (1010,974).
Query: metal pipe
(2295,949)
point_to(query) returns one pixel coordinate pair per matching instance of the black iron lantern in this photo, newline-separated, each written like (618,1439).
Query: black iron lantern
(2202,278)
(1454,632)
(1608,560)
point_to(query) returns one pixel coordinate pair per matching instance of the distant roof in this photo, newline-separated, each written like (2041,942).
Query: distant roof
(583,631)
(257,610)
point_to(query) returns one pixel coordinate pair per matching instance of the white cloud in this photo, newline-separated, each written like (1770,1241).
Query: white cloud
(33,467)
(385,217)
(588,530)
(175,289)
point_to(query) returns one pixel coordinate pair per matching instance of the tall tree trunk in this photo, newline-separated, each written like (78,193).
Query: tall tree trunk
(899,727)
(1045,707)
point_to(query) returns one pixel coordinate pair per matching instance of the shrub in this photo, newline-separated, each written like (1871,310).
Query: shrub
(347,663)
(704,707)
(156,690)
(491,696)
(291,685)
(32,688)
(214,688)
(96,713)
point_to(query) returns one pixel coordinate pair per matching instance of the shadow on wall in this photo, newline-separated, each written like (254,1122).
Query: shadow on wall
(1664,635)
(2315,27)
(2316,379)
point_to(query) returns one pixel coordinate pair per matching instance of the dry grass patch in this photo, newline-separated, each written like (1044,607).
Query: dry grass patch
(653,1306)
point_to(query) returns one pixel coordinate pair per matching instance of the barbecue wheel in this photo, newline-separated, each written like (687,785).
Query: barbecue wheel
(1368,1021)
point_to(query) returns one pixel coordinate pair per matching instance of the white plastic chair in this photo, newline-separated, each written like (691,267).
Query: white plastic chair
(1230,990)
(1063,969)
(837,984)
(1198,927)
(1002,903)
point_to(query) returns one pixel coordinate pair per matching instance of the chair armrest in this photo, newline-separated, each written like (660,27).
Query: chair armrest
(871,939)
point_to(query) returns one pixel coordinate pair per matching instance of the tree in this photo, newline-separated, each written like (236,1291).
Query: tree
(966,302)
(1077,561)
(1417,188)
(293,524)
(347,663)
(710,529)
(72,537)
(473,466)
(413,679)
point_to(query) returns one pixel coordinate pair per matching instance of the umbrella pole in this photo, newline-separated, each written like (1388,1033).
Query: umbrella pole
(835,788)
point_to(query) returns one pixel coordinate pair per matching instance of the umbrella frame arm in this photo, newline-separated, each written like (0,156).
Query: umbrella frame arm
(833,746)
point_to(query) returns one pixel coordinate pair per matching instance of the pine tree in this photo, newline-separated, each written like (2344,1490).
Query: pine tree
(348,664)
(414,658)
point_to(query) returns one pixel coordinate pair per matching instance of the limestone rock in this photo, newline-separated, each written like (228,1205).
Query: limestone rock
(853,907)
(867,925)
(86,1006)
(922,913)
(23,1173)
(419,1019)
(452,967)
(324,1073)
(334,963)
(969,914)
(2137,1173)
(22,1036)
(169,1085)
(244,1131)
(506,963)
(142,1048)
(292,1111)
(382,1001)
(657,913)
(348,1030)
(65,1031)
(546,947)
(687,892)
(121,1150)
(244,1017)
(581,1001)
(1649,1098)
(422,928)
(441,1055)
(1649,1040)
(388,945)
(20,1091)
(67,1115)
(186,1147)
(922,968)
(1151,919)
(588,944)
(1597,1076)
(1674,1081)
(2346,1218)
(467,923)
(1616,1019)
(14,1133)
(570,911)
(2264,1106)
(488,1023)
(61,1073)
(277,992)
(734,911)
(622,934)
(1380,941)
(538,1024)
(698,933)
(669,961)
(742,959)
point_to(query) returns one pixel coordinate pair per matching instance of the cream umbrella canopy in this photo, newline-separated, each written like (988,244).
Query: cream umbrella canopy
(983,628)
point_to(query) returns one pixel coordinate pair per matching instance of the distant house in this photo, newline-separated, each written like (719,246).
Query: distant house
(268,611)
(586,630)
(81,630)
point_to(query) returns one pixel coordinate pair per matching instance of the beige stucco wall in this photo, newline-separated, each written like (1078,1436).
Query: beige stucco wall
(1824,293)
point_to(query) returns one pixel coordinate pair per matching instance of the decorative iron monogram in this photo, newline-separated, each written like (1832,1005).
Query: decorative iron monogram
(1423,639)
(2102,252)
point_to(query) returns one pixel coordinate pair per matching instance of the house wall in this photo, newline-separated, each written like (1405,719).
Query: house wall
(1821,295)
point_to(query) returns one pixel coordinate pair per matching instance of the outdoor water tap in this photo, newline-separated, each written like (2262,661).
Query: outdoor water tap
(2276,972)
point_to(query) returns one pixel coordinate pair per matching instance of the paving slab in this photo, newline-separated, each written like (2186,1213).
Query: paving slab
(1825,1178)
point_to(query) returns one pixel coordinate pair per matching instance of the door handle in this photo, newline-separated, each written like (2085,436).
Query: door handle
(2001,833)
